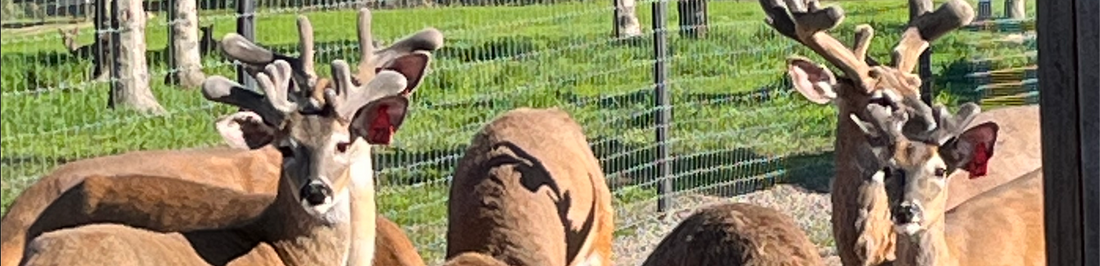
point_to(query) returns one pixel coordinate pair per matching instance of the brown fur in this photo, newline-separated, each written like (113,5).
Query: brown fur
(735,234)
(1017,152)
(860,216)
(392,247)
(473,259)
(529,191)
(1002,226)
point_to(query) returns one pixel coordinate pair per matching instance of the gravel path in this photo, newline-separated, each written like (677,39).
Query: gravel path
(643,231)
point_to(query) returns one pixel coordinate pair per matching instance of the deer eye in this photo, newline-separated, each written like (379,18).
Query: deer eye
(940,172)
(342,147)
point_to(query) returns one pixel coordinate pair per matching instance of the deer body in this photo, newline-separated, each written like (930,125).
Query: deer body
(735,234)
(529,191)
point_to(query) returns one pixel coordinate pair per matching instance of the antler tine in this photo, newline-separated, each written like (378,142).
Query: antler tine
(221,89)
(366,45)
(953,125)
(305,47)
(385,83)
(275,81)
(426,40)
(887,121)
(864,34)
(807,23)
(927,28)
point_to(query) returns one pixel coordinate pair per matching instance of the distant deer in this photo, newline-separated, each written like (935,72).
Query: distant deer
(237,168)
(1001,226)
(207,43)
(89,51)
(326,173)
(734,234)
(860,215)
(529,191)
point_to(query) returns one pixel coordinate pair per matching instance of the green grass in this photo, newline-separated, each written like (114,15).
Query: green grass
(735,115)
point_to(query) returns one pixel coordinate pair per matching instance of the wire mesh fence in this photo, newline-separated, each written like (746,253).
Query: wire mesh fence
(737,132)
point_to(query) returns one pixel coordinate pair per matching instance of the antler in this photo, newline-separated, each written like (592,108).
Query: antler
(371,59)
(948,125)
(927,28)
(348,97)
(236,47)
(274,80)
(864,34)
(807,24)
(883,122)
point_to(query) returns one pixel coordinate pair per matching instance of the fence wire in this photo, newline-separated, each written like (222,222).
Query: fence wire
(738,132)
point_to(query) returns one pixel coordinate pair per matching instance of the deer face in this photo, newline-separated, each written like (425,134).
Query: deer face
(316,124)
(865,81)
(917,165)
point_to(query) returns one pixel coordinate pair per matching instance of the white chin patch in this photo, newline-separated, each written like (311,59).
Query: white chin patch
(320,209)
(907,228)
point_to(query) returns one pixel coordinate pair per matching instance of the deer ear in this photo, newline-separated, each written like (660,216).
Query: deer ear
(972,149)
(813,81)
(413,66)
(245,130)
(377,121)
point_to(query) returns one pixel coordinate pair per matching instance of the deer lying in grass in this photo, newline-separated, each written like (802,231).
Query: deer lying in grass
(237,168)
(69,39)
(529,191)
(1002,226)
(860,216)
(326,173)
(735,234)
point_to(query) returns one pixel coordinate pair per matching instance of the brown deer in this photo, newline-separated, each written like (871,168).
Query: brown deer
(529,191)
(1001,226)
(69,39)
(860,214)
(735,234)
(326,174)
(237,168)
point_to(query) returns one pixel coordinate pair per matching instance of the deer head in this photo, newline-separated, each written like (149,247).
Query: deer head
(68,38)
(409,57)
(317,129)
(917,166)
(864,81)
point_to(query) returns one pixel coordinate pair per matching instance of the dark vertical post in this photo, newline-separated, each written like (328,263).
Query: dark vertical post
(103,51)
(246,27)
(693,18)
(615,19)
(664,111)
(171,18)
(1088,93)
(116,39)
(1069,77)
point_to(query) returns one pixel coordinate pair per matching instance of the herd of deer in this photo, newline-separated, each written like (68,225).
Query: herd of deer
(296,186)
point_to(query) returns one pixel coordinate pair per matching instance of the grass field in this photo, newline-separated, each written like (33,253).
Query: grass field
(736,123)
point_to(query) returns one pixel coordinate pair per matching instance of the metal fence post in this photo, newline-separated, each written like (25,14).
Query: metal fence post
(246,27)
(664,111)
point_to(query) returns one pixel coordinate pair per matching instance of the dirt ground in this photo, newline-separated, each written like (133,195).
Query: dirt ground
(810,210)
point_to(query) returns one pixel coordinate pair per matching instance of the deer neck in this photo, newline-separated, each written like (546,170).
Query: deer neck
(928,247)
(302,239)
(855,161)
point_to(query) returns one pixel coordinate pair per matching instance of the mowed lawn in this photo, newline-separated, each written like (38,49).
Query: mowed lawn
(736,122)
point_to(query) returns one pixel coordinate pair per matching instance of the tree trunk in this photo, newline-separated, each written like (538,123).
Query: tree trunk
(1014,9)
(132,86)
(626,20)
(693,18)
(185,45)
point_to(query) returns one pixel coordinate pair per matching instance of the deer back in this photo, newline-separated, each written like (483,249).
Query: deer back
(529,191)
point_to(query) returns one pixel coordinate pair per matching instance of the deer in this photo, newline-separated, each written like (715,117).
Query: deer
(323,211)
(1001,226)
(735,234)
(860,215)
(248,165)
(529,191)
(69,39)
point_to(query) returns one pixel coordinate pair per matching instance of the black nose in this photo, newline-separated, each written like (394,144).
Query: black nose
(315,193)
(906,213)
